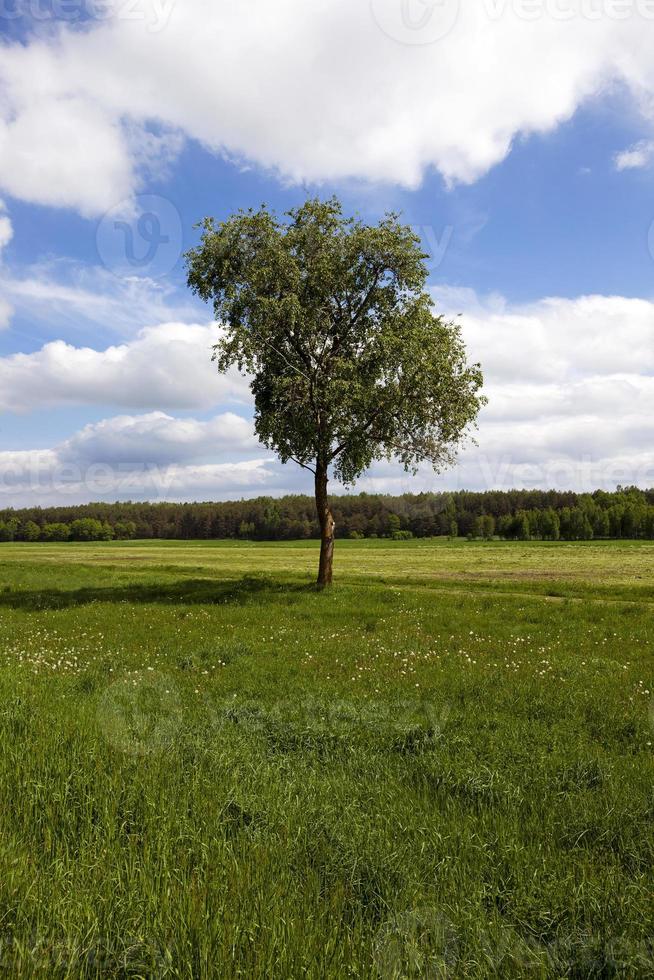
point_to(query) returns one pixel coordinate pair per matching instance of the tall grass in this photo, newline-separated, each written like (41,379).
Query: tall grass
(209,770)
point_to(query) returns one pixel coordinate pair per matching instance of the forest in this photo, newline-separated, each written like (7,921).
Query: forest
(627,512)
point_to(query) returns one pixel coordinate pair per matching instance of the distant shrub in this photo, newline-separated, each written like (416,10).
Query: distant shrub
(401,535)
(88,529)
(392,525)
(55,532)
(484,527)
(30,531)
(6,531)
(124,530)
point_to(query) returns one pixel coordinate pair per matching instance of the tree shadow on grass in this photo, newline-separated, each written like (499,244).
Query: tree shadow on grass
(182,592)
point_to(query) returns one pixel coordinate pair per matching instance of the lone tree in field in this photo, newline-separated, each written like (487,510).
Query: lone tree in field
(349,363)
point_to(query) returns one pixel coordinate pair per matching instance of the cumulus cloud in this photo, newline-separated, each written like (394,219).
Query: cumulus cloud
(44,151)
(570,387)
(570,384)
(6,228)
(42,480)
(480,470)
(570,390)
(152,456)
(164,367)
(377,90)
(6,234)
(159,439)
(636,157)
(555,338)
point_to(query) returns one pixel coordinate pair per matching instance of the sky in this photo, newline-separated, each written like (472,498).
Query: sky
(515,136)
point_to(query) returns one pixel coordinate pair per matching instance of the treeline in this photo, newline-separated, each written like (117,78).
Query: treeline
(519,514)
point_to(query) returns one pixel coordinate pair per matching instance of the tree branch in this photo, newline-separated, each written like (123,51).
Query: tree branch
(303,465)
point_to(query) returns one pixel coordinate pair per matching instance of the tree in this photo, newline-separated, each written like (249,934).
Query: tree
(31,531)
(477,528)
(90,529)
(488,527)
(522,529)
(550,528)
(575,525)
(600,524)
(331,319)
(6,531)
(393,524)
(56,532)
(484,527)
(124,530)
(246,530)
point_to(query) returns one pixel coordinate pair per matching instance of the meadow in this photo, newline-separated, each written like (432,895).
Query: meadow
(440,768)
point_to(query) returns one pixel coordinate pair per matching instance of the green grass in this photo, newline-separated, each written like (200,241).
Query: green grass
(442,767)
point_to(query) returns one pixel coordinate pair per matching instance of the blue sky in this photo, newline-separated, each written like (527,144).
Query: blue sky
(522,150)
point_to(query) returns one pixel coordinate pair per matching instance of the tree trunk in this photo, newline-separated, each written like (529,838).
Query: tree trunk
(326,521)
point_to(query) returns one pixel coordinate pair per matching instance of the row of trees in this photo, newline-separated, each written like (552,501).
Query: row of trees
(514,514)
(80,529)
(586,520)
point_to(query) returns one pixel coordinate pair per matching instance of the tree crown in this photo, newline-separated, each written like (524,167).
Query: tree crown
(331,318)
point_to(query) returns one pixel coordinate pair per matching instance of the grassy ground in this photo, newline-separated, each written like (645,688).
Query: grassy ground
(442,768)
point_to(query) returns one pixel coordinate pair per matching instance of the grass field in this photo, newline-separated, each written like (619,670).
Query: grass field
(441,768)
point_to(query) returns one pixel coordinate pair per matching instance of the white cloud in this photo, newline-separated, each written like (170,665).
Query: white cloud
(477,470)
(570,384)
(6,228)
(158,439)
(326,89)
(163,367)
(636,157)
(6,234)
(49,147)
(153,456)
(41,480)
(555,339)
(67,297)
